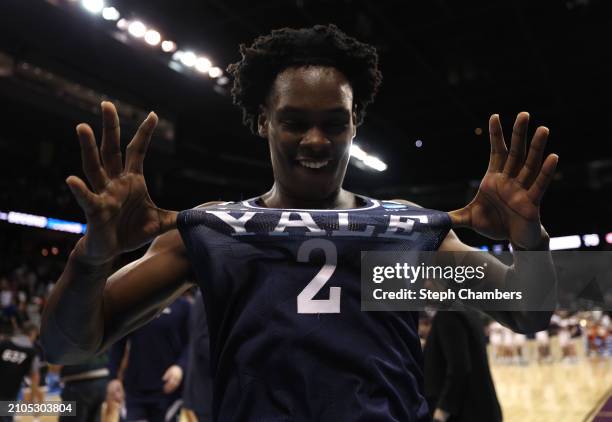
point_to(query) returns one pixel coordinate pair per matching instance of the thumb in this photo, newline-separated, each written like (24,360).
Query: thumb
(81,193)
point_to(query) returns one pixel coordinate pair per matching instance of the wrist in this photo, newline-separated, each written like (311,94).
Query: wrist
(167,220)
(543,243)
(80,256)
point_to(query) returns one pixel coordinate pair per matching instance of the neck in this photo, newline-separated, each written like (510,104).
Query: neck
(278,198)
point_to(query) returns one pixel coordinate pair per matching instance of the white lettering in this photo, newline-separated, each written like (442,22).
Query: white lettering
(304,221)
(343,223)
(405,223)
(235,223)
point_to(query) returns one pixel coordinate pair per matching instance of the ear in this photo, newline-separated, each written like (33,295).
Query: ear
(262,122)
(354,116)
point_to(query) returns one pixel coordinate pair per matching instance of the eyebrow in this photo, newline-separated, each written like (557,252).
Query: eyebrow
(297,110)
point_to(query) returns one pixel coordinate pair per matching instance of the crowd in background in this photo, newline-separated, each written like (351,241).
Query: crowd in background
(107,386)
(25,287)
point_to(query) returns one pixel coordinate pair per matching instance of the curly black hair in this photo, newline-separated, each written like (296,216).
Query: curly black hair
(319,45)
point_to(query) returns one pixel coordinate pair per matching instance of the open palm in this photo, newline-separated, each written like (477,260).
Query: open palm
(120,214)
(507,204)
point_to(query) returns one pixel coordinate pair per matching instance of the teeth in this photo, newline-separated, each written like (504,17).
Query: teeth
(314,164)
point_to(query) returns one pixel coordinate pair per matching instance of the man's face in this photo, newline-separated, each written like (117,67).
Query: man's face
(309,123)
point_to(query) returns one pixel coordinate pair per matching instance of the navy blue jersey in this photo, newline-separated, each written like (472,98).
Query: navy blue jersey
(288,339)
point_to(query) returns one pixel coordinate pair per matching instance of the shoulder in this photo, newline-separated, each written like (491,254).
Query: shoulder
(172,241)
(405,202)
(451,242)
(210,204)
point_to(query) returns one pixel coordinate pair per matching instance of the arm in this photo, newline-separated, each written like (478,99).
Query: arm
(522,273)
(89,308)
(501,276)
(507,206)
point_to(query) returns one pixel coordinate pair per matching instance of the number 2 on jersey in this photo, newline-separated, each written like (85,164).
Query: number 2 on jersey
(305,302)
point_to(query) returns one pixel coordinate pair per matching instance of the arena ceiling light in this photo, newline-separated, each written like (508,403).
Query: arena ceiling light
(375,163)
(357,152)
(152,37)
(93,6)
(188,58)
(181,61)
(215,72)
(202,64)
(110,14)
(137,29)
(367,159)
(168,46)
(123,24)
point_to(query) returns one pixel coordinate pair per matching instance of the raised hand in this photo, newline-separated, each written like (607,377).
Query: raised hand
(120,214)
(507,204)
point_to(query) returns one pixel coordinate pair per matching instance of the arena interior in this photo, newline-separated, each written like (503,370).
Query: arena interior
(447,66)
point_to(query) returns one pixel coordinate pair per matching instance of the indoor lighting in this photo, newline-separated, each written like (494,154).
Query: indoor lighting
(137,29)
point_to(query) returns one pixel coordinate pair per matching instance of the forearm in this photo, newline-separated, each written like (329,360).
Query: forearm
(35,390)
(534,274)
(72,324)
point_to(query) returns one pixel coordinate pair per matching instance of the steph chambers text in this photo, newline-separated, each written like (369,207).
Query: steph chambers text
(445,295)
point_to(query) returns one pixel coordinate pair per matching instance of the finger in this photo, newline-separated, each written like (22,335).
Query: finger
(498,145)
(516,155)
(537,190)
(110,149)
(534,159)
(85,197)
(137,148)
(90,158)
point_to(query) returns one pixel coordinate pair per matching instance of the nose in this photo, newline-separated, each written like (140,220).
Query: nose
(315,140)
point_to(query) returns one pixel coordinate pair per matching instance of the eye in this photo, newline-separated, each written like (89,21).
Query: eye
(336,127)
(294,125)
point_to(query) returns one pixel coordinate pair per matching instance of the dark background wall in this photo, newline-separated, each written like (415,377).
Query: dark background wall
(447,66)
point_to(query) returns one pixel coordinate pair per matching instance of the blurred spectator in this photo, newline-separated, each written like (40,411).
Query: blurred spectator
(17,360)
(156,364)
(85,384)
(458,383)
(197,391)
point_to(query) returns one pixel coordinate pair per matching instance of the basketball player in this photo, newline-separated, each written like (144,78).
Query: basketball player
(18,359)
(280,272)
(157,358)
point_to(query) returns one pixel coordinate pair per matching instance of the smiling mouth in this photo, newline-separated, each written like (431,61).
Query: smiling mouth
(314,164)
